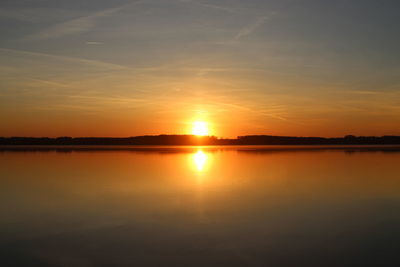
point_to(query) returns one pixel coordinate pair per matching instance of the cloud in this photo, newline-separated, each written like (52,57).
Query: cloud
(35,15)
(245,31)
(75,26)
(212,6)
(94,43)
(251,28)
(94,63)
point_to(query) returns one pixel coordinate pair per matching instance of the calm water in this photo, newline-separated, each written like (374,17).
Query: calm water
(243,206)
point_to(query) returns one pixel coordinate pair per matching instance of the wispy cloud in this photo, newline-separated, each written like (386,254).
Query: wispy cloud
(120,101)
(249,29)
(246,30)
(94,43)
(75,26)
(95,63)
(208,5)
(35,14)
(274,111)
(358,92)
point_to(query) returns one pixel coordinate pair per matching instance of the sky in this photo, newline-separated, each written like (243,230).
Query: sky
(137,67)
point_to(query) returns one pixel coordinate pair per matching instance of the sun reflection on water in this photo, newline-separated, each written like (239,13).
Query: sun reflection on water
(200,160)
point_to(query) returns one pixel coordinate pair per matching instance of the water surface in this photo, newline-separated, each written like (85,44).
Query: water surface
(207,206)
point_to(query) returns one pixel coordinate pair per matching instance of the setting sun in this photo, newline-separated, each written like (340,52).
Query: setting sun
(200,128)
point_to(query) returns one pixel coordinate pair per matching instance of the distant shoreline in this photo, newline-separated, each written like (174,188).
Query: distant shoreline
(191,140)
(167,149)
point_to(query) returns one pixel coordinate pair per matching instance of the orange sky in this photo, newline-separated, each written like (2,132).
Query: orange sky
(244,67)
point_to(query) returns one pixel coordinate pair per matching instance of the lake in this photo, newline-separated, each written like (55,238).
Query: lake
(200,206)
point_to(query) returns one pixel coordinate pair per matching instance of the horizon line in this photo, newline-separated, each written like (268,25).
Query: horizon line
(203,136)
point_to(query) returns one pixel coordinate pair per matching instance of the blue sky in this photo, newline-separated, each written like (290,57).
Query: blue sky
(120,68)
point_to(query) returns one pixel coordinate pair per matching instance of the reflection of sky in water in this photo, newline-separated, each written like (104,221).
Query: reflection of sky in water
(258,208)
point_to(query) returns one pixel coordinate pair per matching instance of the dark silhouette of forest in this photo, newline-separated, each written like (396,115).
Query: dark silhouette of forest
(203,140)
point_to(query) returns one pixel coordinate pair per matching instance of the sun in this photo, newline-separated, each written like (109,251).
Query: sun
(200,128)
